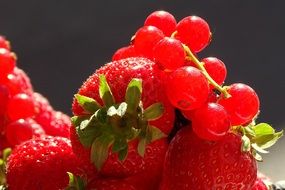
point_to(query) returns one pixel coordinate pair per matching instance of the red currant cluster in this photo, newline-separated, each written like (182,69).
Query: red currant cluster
(24,114)
(193,86)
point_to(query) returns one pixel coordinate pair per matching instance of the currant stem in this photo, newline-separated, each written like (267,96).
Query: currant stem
(203,70)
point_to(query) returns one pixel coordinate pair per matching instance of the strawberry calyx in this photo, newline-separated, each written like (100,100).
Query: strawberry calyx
(115,124)
(5,154)
(256,138)
(75,182)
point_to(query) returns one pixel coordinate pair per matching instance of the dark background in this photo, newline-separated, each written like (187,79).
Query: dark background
(60,43)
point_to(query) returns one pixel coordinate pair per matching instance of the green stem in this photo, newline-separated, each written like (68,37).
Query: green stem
(203,70)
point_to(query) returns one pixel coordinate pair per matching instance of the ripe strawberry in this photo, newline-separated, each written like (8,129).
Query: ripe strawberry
(119,74)
(193,163)
(259,185)
(41,164)
(110,184)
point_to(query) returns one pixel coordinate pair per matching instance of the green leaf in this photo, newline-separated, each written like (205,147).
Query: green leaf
(88,135)
(269,140)
(119,144)
(133,94)
(156,133)
(257,156)
(263,129)
(245,147)
(142,146)
(105,92)
(88,104)
(100,150)
(6,153)
(153,112)
(123,154)
(75,183)
(258,148)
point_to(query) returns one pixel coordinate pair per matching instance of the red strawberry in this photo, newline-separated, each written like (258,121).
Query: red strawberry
(120,75)
(193,163)
(53,122)
(259,185)
(41,164)
(110,184)
(4,43)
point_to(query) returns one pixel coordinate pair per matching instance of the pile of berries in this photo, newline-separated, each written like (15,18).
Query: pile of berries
(156,117)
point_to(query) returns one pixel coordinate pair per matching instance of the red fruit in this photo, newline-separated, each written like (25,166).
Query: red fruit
(110,184)
(162,20)
(145,39)
(4,43)
(118,75)
(193,163)
(22,130)
(4,98)
(41,163)
(187,88)
(3,143)
(211,122)
(259,185)
(194,32)
(124,52)
(20,106)
(169,53)
(216,69)
(7,62)
(243,105)
(18,82)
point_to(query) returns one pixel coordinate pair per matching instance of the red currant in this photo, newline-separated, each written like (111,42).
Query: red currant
(243,105)
(211,121)
(22,130)
(162,20)
(124,52)
(4,98)
(216,69)
(7,62)
(194,32)
(20,106)
(4,43)
(145,39)
(187,88)
(169,53)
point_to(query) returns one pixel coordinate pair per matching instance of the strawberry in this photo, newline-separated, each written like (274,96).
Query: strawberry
(4,43)
(114,92)
(259,185)
(41,163)
(193,163)
(110,184)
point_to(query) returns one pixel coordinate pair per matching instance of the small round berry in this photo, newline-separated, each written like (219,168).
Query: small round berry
(4,98)
(7,62)
(243,105)
(210,122)
(22,130)
(145,39)
(169,53)
(4,43)
(20,106)
(216,69)
(187,88)
(124,52)
(162,20)
(194,32)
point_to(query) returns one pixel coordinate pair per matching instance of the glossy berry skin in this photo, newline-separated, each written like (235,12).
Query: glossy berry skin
(193,163)
(110,184)
(169,53)
(20,106)
(22,130)
(7,62)
(211,122)
(194,32)
(124,52)
(187,88)
(259,185)
(145,39)
(4,43)
(4,98)
(243,105)
(162,20)
(216,69)
(41,163)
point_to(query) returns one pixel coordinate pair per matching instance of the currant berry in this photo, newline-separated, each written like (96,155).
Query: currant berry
(124,52)
(211,122)
(4,43)
(20,106)
(194,32)
(216,69)
(22,130)
(187,88)
(145,39)
(4,98)
(243,105)
(162,20)
(169,53)
(7,62)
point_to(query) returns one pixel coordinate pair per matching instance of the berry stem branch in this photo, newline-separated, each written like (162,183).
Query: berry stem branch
(202,68)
